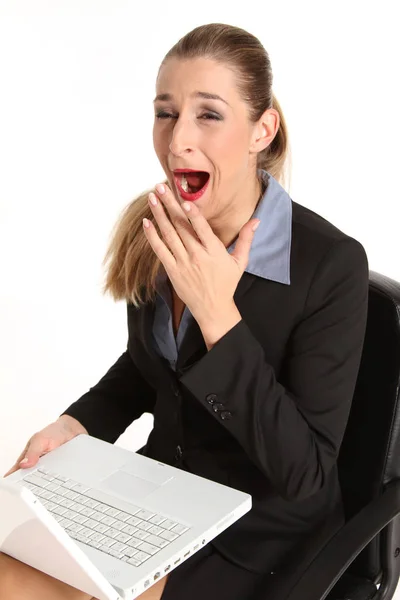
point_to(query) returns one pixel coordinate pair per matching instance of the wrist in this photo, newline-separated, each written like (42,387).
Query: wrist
(72,425)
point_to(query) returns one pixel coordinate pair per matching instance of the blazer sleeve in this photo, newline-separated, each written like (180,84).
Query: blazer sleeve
(121,396)
(293,432)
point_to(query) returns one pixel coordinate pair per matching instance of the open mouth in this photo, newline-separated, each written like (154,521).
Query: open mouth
(191,184)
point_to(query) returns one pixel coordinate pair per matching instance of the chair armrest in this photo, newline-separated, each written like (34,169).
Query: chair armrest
(325,570)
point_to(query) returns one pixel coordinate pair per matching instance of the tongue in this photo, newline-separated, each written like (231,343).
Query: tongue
(196,180)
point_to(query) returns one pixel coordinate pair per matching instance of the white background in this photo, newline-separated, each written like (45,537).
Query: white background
(76,115)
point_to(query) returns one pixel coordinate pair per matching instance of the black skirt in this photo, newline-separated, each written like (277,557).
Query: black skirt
(208,575)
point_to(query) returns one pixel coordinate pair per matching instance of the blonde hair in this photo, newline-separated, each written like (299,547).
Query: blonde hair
(131,264)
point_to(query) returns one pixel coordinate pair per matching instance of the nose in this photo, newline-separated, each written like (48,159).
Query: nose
(182,139)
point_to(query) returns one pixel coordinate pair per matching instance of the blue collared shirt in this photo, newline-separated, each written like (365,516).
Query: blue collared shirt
(269,258)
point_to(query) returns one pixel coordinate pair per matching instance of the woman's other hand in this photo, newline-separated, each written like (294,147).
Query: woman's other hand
(46,440)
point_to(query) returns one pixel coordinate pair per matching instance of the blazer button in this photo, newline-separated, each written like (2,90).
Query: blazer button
(211,398)
(218,406)
(226,415)
(175,391)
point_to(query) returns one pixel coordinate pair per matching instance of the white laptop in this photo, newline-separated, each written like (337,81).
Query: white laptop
(108,521)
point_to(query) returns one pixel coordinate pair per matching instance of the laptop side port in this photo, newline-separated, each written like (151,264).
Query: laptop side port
(196,546)
(167,568)
(177,561)
(147,583)
(187,554)
(157,575)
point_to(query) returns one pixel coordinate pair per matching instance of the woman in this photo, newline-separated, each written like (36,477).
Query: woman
(244,344)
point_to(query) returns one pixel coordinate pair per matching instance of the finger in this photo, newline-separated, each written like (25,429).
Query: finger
(243,243)
(159,248)
(16,465)
(167,229)
(201,226)
(178,217)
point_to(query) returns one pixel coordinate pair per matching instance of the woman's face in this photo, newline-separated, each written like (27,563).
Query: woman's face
(205,134)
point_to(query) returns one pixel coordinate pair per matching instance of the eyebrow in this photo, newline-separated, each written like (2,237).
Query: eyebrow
(205,95)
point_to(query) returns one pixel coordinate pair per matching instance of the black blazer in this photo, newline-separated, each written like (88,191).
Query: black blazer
(263,411)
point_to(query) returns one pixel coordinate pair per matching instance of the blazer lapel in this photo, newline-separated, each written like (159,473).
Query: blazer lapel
(193,346)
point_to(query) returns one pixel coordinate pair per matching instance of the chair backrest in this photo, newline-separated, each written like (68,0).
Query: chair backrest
(370,453)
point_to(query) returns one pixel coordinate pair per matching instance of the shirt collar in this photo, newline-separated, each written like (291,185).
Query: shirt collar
(269,255)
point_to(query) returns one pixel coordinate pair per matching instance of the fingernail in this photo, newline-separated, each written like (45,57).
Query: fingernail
(160,187)
(153,199)
(25,460)
(255,226)
(186,206)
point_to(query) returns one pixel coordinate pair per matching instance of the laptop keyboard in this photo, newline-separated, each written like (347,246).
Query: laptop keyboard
(132,535)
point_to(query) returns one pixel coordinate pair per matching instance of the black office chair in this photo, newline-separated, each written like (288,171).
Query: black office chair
(362,560)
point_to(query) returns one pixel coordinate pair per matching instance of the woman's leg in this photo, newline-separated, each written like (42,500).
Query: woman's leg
(19,581)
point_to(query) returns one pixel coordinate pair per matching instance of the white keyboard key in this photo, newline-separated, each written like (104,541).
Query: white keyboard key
(157,541)
(52,487)
(155,530)
(142,556)
(80,488)
(65,522)
(100,527)
(102,508)
(67,503)
(131,552)
(145,547)
(59,510)
(157,519)
(42,483)
(169,524)
(91,524)
(97,537)
(108,520)
(133,521)
(86,511)
(179,529)
(68,484)
(94,543)
(108,541)
(79,519)
(144,525)
(122,537)
(124,516)
(46,495)
(145,514)
(111,532)
(98,516)
(74,527)
(169,535)
(119,547)
(142,535)
(130,530)
(134,543)
(77,536)
(134,561)
(112,512)
(115,553)
(89,502)
(58,518)
(69,515)
(120,525)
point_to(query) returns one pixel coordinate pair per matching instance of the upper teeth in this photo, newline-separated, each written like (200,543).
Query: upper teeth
(184,183)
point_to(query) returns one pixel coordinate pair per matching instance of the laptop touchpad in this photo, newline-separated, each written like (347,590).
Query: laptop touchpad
(128,486)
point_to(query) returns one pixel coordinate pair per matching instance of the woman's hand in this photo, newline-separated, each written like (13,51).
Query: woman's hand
(202,272)
(49,438)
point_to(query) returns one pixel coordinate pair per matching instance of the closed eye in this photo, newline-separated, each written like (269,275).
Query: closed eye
(206,116)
